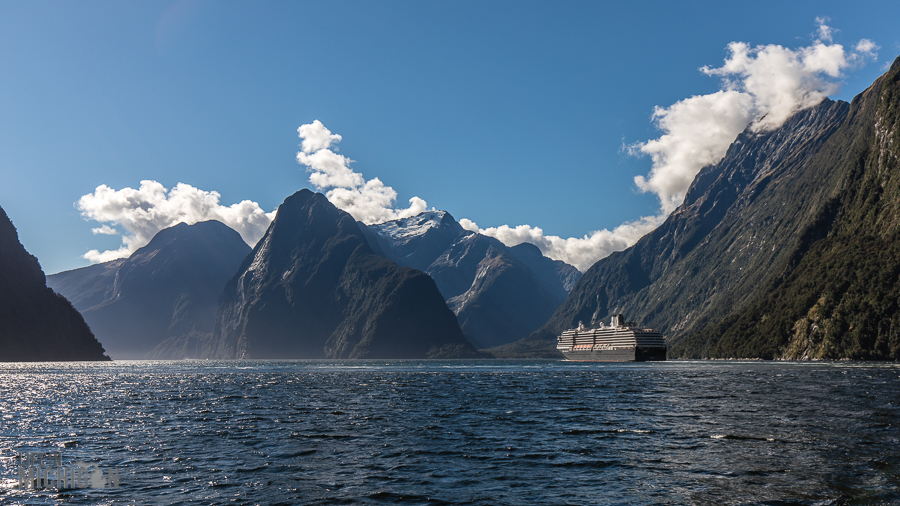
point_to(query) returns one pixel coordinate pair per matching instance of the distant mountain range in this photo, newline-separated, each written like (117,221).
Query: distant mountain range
(786,248)
(36,324)
(499,294)
(161,301)
(314,288)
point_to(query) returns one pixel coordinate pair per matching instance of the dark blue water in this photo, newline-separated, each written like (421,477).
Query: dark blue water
(448,432)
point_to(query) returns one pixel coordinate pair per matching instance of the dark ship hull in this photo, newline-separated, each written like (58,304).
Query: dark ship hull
(627,355)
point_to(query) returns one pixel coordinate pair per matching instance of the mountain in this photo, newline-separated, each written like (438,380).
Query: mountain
(314,288)
(499,294)
(786,248)
(838,294)
(161,301)
(36,324)
(555,275)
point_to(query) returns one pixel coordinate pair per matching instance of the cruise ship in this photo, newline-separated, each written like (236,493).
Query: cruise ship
(617,342)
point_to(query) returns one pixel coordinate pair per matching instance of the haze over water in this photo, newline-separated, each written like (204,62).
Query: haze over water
(459,432)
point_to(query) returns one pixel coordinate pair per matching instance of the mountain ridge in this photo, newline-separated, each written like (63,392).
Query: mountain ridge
(161,300)
(837,296)
(745,224)
(499,294)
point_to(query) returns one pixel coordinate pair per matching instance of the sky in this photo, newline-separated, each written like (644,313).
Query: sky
(580,123)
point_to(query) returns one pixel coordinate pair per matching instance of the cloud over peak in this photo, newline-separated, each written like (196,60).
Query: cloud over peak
(367,201)
(147,210)
(762,87)
(580,252)
(371,201)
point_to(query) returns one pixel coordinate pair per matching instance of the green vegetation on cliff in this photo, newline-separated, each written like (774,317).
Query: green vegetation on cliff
(839,295)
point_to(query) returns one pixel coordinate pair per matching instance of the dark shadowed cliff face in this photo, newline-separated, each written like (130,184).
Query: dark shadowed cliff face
(36,324)
(161,301)
(720,277)
(499,294)
(313,288)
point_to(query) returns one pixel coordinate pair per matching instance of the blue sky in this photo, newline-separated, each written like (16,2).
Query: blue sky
(499,112)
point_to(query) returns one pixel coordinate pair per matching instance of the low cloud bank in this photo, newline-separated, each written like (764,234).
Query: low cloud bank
(580,252)
(151,208)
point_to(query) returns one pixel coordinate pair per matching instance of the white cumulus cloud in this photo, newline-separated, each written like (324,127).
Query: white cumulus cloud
(373,202)
(697,133)
(367,201)
(867,49)
(316,137)
(762,87)
(825,32)
(370,201)
(151,208)
(105,230)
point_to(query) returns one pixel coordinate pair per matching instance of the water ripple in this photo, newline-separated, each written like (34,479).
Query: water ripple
(457,432)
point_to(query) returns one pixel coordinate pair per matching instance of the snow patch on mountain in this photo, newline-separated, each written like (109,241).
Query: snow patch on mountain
(403,230)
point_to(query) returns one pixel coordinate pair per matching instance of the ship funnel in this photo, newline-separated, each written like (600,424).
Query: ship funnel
(617,321)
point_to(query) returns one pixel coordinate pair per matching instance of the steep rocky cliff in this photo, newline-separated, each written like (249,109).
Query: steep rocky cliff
(36,324)
(314,288)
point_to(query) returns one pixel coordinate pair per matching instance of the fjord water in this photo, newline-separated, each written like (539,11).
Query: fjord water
(459,432)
